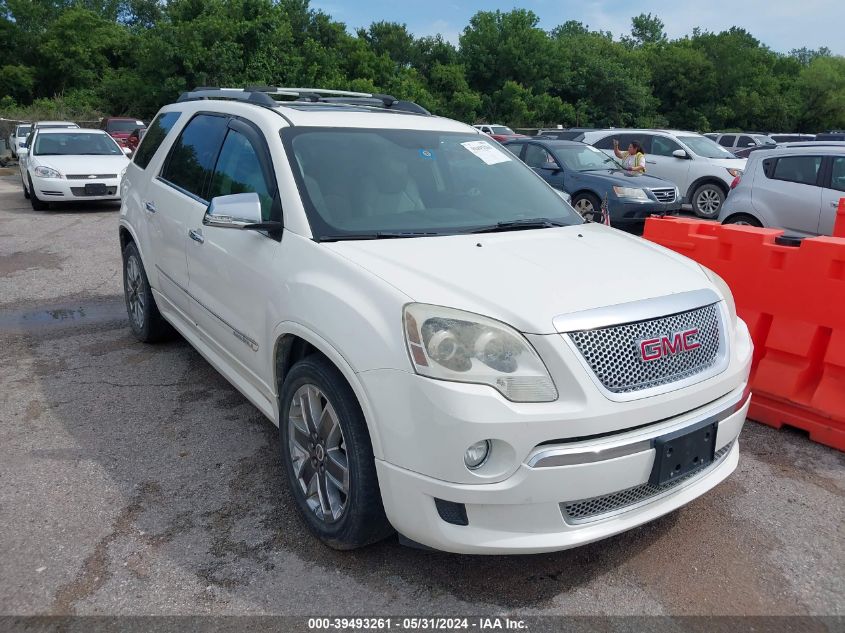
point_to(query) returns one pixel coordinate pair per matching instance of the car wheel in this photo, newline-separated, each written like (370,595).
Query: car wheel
(588,206)
(145,320)
(37,205)
(707,200)
(743,219)
(328,456)
(25,190)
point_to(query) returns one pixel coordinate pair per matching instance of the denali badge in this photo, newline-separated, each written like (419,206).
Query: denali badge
(668,345)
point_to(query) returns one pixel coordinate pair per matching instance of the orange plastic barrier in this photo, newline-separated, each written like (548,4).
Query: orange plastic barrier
(793,300)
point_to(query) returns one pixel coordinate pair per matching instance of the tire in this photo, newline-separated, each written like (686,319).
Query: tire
(145,321)
(743,219)
(707,200)
(588,206)
(342,507)
(37,205)
(25,190)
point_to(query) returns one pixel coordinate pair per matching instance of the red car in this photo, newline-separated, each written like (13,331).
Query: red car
(121,128)
(499,133)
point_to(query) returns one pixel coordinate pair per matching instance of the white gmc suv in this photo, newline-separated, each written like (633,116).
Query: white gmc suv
(407,302)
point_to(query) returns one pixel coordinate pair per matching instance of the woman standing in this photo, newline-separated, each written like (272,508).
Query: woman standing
(634,159)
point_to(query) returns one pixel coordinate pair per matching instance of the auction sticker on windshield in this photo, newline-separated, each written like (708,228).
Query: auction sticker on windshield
(486,152)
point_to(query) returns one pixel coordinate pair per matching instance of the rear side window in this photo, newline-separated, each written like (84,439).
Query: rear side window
(239,170)
(801,169)
(192,157)
(158,129)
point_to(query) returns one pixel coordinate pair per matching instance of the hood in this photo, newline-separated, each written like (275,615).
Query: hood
(85,164)
(526,278)
(622,178)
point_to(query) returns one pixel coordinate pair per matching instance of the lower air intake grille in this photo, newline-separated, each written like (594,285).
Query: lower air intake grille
(597,508)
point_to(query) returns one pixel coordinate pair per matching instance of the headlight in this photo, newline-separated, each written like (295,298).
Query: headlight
(725,290)
(46,172)
(734,172)
(463,347)
(630,192)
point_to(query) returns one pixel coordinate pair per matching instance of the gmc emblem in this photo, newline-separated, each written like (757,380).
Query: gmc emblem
(668,345)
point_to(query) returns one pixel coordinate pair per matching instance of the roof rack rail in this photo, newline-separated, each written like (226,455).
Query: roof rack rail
(260,95)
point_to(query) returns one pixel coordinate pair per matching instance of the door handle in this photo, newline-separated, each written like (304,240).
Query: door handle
(150,206)
(651,162)
(834,204)
(196,235)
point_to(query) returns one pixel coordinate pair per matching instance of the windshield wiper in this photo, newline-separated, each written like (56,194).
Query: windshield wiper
(378,235)
(517,225)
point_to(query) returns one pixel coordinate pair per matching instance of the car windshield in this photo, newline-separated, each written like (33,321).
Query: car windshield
(705,147)
(123,125)
(501,129)
(366,183)
(23,130)
(585,158)
(75,143)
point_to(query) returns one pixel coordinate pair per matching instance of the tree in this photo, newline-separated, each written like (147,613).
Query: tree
(647,29)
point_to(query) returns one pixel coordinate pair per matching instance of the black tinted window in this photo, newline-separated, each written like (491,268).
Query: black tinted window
(727,140)
(192,158)
(605,143)
(803,169)
(662,146)
(154,137)
(837,174)
(745,141)
(239,171)
(538,157)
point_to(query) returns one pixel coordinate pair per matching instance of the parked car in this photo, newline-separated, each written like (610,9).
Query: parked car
(701,169)
(564,135)
(834,135)
(134,138)
(121,128)
(71,165)
(447,348)
(18,137)
(43,125)
(499,133)
(590,176)
(790,138)
(793,188)
(736,142)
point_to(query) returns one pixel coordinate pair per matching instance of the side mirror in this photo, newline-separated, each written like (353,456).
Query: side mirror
(750,144)
(679,153)
(23,151)
(238,211)
(126,151)
(554,168)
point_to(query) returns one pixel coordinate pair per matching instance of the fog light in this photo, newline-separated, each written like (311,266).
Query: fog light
(477,454)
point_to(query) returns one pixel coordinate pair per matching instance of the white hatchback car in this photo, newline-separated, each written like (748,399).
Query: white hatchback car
(71,165)
(406,300)
(701,169)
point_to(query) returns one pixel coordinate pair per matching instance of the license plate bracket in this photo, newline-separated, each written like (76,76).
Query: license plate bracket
(95,189)
(682,452)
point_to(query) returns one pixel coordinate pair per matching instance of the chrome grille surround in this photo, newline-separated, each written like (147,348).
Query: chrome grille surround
(606,506)
(665,195)
(89,176)
(612,353)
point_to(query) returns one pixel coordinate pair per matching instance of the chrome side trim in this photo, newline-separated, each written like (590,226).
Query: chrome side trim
(588,452)
(645,309)
(243,338)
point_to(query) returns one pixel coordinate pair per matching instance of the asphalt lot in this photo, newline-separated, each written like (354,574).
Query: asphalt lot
(135,480)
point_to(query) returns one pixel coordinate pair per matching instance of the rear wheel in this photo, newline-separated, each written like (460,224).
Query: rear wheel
(328,456)
(37,205)
(743,219)
(707,200)
(145,320)
(588,206)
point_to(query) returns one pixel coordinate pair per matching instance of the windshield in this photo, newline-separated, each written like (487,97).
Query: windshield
(501,129)
(75,143)
(585,158)
(705,147)
(23,130)
(123,126)
(365,182)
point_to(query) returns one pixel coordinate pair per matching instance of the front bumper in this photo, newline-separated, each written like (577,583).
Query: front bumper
(527,512)
(63,190)
(626,212)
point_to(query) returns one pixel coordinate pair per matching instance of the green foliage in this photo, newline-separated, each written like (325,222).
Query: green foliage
(81,58)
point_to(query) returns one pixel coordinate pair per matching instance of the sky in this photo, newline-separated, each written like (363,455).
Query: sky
(780,24)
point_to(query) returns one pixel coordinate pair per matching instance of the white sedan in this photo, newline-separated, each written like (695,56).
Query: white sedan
(71,165)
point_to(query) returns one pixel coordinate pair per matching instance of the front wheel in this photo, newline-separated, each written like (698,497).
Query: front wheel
(145,320)
(25,190)
(328,456)
(37,205)
(588,206)
(707,200)
(743,219)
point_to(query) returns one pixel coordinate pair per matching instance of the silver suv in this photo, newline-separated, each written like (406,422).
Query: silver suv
(701,169)
(796,189)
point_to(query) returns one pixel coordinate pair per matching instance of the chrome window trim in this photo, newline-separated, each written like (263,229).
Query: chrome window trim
(589,451)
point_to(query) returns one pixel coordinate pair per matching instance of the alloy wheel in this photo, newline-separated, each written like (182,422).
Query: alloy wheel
(709,202)
(135,291)
(318,453)
(586,209)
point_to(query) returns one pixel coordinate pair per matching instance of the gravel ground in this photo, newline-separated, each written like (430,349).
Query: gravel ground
(135,480)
